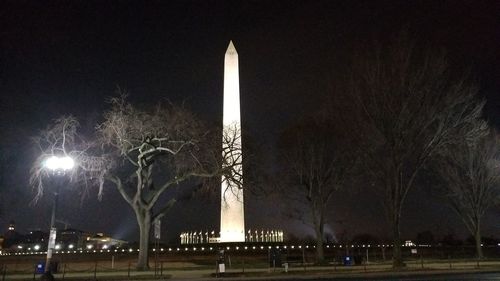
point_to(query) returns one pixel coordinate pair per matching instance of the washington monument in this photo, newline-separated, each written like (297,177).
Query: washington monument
(232,216)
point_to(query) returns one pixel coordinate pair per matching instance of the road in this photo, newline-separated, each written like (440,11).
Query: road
(421,277)
(376,277)
(455,277)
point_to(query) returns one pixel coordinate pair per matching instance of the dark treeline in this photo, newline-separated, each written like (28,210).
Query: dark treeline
(400,115)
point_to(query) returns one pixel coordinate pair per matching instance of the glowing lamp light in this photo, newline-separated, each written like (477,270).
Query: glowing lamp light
(56,163)
(71,246)
(36,247)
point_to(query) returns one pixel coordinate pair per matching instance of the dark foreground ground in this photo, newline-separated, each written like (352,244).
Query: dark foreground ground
(389,276)
(243,265)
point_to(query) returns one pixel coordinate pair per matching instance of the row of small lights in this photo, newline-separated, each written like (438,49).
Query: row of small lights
(58,247)
(186,249)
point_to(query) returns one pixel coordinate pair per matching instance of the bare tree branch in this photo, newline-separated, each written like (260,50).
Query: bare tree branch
(317,159)
(142,153)
(469,170)
(406,106)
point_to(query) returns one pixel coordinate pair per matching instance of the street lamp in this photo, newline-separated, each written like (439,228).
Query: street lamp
(58,165)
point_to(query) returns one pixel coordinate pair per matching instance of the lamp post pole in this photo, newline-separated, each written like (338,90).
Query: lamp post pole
(53,229)
(58,166)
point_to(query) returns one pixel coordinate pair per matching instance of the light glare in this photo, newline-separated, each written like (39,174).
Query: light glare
(55,163)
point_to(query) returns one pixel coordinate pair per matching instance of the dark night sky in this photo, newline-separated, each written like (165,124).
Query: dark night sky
(66,57)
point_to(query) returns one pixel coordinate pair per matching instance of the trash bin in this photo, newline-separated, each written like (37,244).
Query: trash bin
(54,266)
(221,260)
(358,260)
(286,266)
(348,260)
(275,258)
(40,267)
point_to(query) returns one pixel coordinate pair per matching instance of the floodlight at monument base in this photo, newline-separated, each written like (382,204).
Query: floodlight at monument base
(252,236)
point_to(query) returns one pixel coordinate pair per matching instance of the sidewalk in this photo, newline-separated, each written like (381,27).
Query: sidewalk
(316,273)
(295,273)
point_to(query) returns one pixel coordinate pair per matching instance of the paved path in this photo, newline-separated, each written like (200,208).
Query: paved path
(295,273)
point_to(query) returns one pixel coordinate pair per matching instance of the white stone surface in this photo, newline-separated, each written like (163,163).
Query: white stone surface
(232,216)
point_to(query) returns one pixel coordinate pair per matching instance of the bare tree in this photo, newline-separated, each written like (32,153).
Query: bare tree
(61,138)
(472,183)
(143,153)
(317,160)
(405,107)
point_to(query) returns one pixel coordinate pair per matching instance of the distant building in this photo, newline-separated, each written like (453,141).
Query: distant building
(11,237)
(36,236)
(101,241)
(73,238)
(67,239)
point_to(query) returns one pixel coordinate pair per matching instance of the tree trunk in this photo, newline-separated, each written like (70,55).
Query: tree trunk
(144,222)
(397,257)
(479,249)
(319,226)
(320,255)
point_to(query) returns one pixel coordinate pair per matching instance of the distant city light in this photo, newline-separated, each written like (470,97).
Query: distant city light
(36,247)
(71,246)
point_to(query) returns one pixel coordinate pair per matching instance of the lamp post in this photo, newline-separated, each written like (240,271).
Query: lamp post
(58,166)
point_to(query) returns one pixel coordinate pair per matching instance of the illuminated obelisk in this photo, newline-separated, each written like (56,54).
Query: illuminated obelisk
(232,216)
